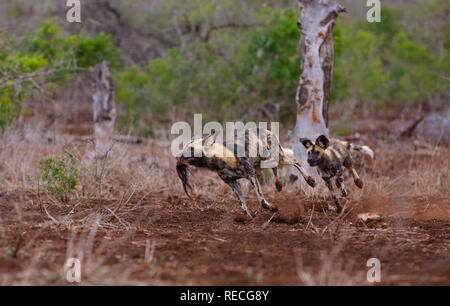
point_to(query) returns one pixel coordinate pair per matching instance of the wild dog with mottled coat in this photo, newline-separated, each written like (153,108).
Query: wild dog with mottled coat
(223,158)
(330,156)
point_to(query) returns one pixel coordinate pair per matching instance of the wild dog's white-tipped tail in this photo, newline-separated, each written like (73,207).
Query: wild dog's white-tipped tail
(364,149)
(289,152)
(368,151)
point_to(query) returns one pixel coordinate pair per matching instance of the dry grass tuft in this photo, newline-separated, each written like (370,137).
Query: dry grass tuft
(129,221)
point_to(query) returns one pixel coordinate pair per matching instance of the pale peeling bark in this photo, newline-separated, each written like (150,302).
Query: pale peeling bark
(104,109)
(315,23)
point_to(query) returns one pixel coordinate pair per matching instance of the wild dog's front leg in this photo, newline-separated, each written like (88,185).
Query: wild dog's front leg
(329,184)
(278,184)
(340,185)
(290,160)
(356,178)
(260,195)
(236,186)
(309,179)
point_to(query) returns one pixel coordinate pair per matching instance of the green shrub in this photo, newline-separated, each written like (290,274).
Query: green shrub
(58,175)
(49,42)
(358,73)
(45,49)
(13,62)
(9,108)
(198,82)
(272,59)
(131,92)
(389,26)
(273,48)
(413,73)
(245,72)
(90,51)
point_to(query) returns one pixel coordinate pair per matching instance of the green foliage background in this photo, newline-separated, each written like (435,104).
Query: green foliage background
(50,56)
(57,175)
(250,72)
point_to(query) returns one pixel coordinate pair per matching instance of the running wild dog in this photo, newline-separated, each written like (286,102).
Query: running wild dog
(223,158)
(329,155)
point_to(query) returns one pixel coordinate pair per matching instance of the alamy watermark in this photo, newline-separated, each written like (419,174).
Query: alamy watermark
(74,12)
(374,13)
(374,273)
(192,142)
(72,269)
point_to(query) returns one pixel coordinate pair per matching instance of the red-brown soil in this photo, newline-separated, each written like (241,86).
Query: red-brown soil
(145,230)
(211,243)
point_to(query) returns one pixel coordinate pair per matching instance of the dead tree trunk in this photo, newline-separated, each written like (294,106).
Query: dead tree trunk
(315,23)
(104,109)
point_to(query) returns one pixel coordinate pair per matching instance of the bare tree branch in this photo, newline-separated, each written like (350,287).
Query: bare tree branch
(15,79)
(230,25)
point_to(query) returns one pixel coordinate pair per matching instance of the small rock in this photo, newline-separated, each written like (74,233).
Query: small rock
(242,219)
(435,126)
(369,217)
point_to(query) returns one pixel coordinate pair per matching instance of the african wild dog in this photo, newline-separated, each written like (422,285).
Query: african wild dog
(224,159)
(329,156)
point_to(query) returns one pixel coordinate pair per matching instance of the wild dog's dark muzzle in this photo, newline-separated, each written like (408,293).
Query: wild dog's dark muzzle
(312,162)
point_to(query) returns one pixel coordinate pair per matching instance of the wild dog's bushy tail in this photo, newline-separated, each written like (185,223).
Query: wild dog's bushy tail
(182,171)
(364,149)
(289,152)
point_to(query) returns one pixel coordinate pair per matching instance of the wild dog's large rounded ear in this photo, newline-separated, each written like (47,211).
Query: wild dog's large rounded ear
(322,141)
(306,142)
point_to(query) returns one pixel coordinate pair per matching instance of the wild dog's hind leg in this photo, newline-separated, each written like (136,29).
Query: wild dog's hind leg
(329,184)
(260,195)
(278,184)
(236,186)
(348,163)
(356,178)
(340,185)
